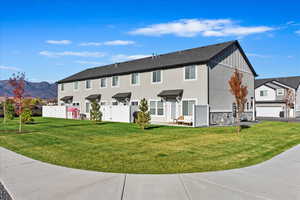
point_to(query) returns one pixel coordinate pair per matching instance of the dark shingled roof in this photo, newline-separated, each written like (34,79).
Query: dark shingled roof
(170,93)
(93,97)
(67,98)
(123,95)
(191,56)
(293,81)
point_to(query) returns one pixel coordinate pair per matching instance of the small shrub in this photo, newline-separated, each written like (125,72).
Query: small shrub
(9,110)
(95,113)
(143,116)
(26,116)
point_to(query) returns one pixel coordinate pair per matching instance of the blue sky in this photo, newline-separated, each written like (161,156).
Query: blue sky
(52,39)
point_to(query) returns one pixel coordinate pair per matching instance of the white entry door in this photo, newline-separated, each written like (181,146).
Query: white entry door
(172,110)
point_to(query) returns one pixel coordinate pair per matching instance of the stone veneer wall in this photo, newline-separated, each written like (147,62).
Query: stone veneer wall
(4,194)
(226,118)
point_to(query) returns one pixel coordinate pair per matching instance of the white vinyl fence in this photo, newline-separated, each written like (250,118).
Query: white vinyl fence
(54,111)
(200,115)
(119,113)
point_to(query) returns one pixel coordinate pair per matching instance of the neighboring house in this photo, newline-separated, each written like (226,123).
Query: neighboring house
(270,97)
(172,83)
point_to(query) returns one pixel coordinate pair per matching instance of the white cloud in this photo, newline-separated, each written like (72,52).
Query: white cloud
(10,68)
(290,57)
(84,62)
(108,43)
(122,57)
(258,55)
(64,42)
(72,53)
(297,32)
(118,42)
(206,27)
(90,44)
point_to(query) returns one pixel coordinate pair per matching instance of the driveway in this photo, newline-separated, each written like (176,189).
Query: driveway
(27,179)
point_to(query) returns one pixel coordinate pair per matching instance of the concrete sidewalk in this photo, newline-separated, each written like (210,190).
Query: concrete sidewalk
(27,179)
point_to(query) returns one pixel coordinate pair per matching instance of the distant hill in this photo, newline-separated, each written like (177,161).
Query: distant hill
(42,90)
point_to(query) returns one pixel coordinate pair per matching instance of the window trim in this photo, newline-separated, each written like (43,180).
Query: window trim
(77,86)
(261,92)
(188,99)
(86,107)
(161,77)
(280,89)
(138,79)
(196,73)
(164,107)
(90,84)
(105,82)
(118,85)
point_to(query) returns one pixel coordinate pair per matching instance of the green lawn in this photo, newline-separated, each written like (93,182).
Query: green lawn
(122,147)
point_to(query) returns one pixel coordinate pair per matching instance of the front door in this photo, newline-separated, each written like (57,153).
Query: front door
(172,109)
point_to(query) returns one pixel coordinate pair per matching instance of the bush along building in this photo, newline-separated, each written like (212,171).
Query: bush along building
(172,83)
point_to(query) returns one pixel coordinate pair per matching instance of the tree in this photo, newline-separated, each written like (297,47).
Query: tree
(95,113)
(240,92)
(289,100)
(17,82)
(143,117)
(8,110)
(26,116)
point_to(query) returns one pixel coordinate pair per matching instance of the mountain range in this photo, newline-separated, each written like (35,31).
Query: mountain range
(42,90)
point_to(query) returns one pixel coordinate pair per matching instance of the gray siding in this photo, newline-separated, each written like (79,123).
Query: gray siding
(220,71)
(171,79)
(298,102)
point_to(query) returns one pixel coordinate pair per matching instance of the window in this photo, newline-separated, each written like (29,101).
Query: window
(87,107)
(263,93)
(280,92)
(156,108)
(103,103)
(62,87)
(103,82)
(160,108)
(115,81)
(187,107)
(76,85)
(134,103)
(190,72)
(114,103)
(88,84)
(156,76)
(134,78)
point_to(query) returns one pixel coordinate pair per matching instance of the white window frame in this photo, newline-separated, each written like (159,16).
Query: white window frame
(85,107)
(164,107)
(138,79)
(196,73)
(86,84)
(188,99)
(113,81)
(280,92)
(262,91)
(161,77)
(76,89)
(105,82)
